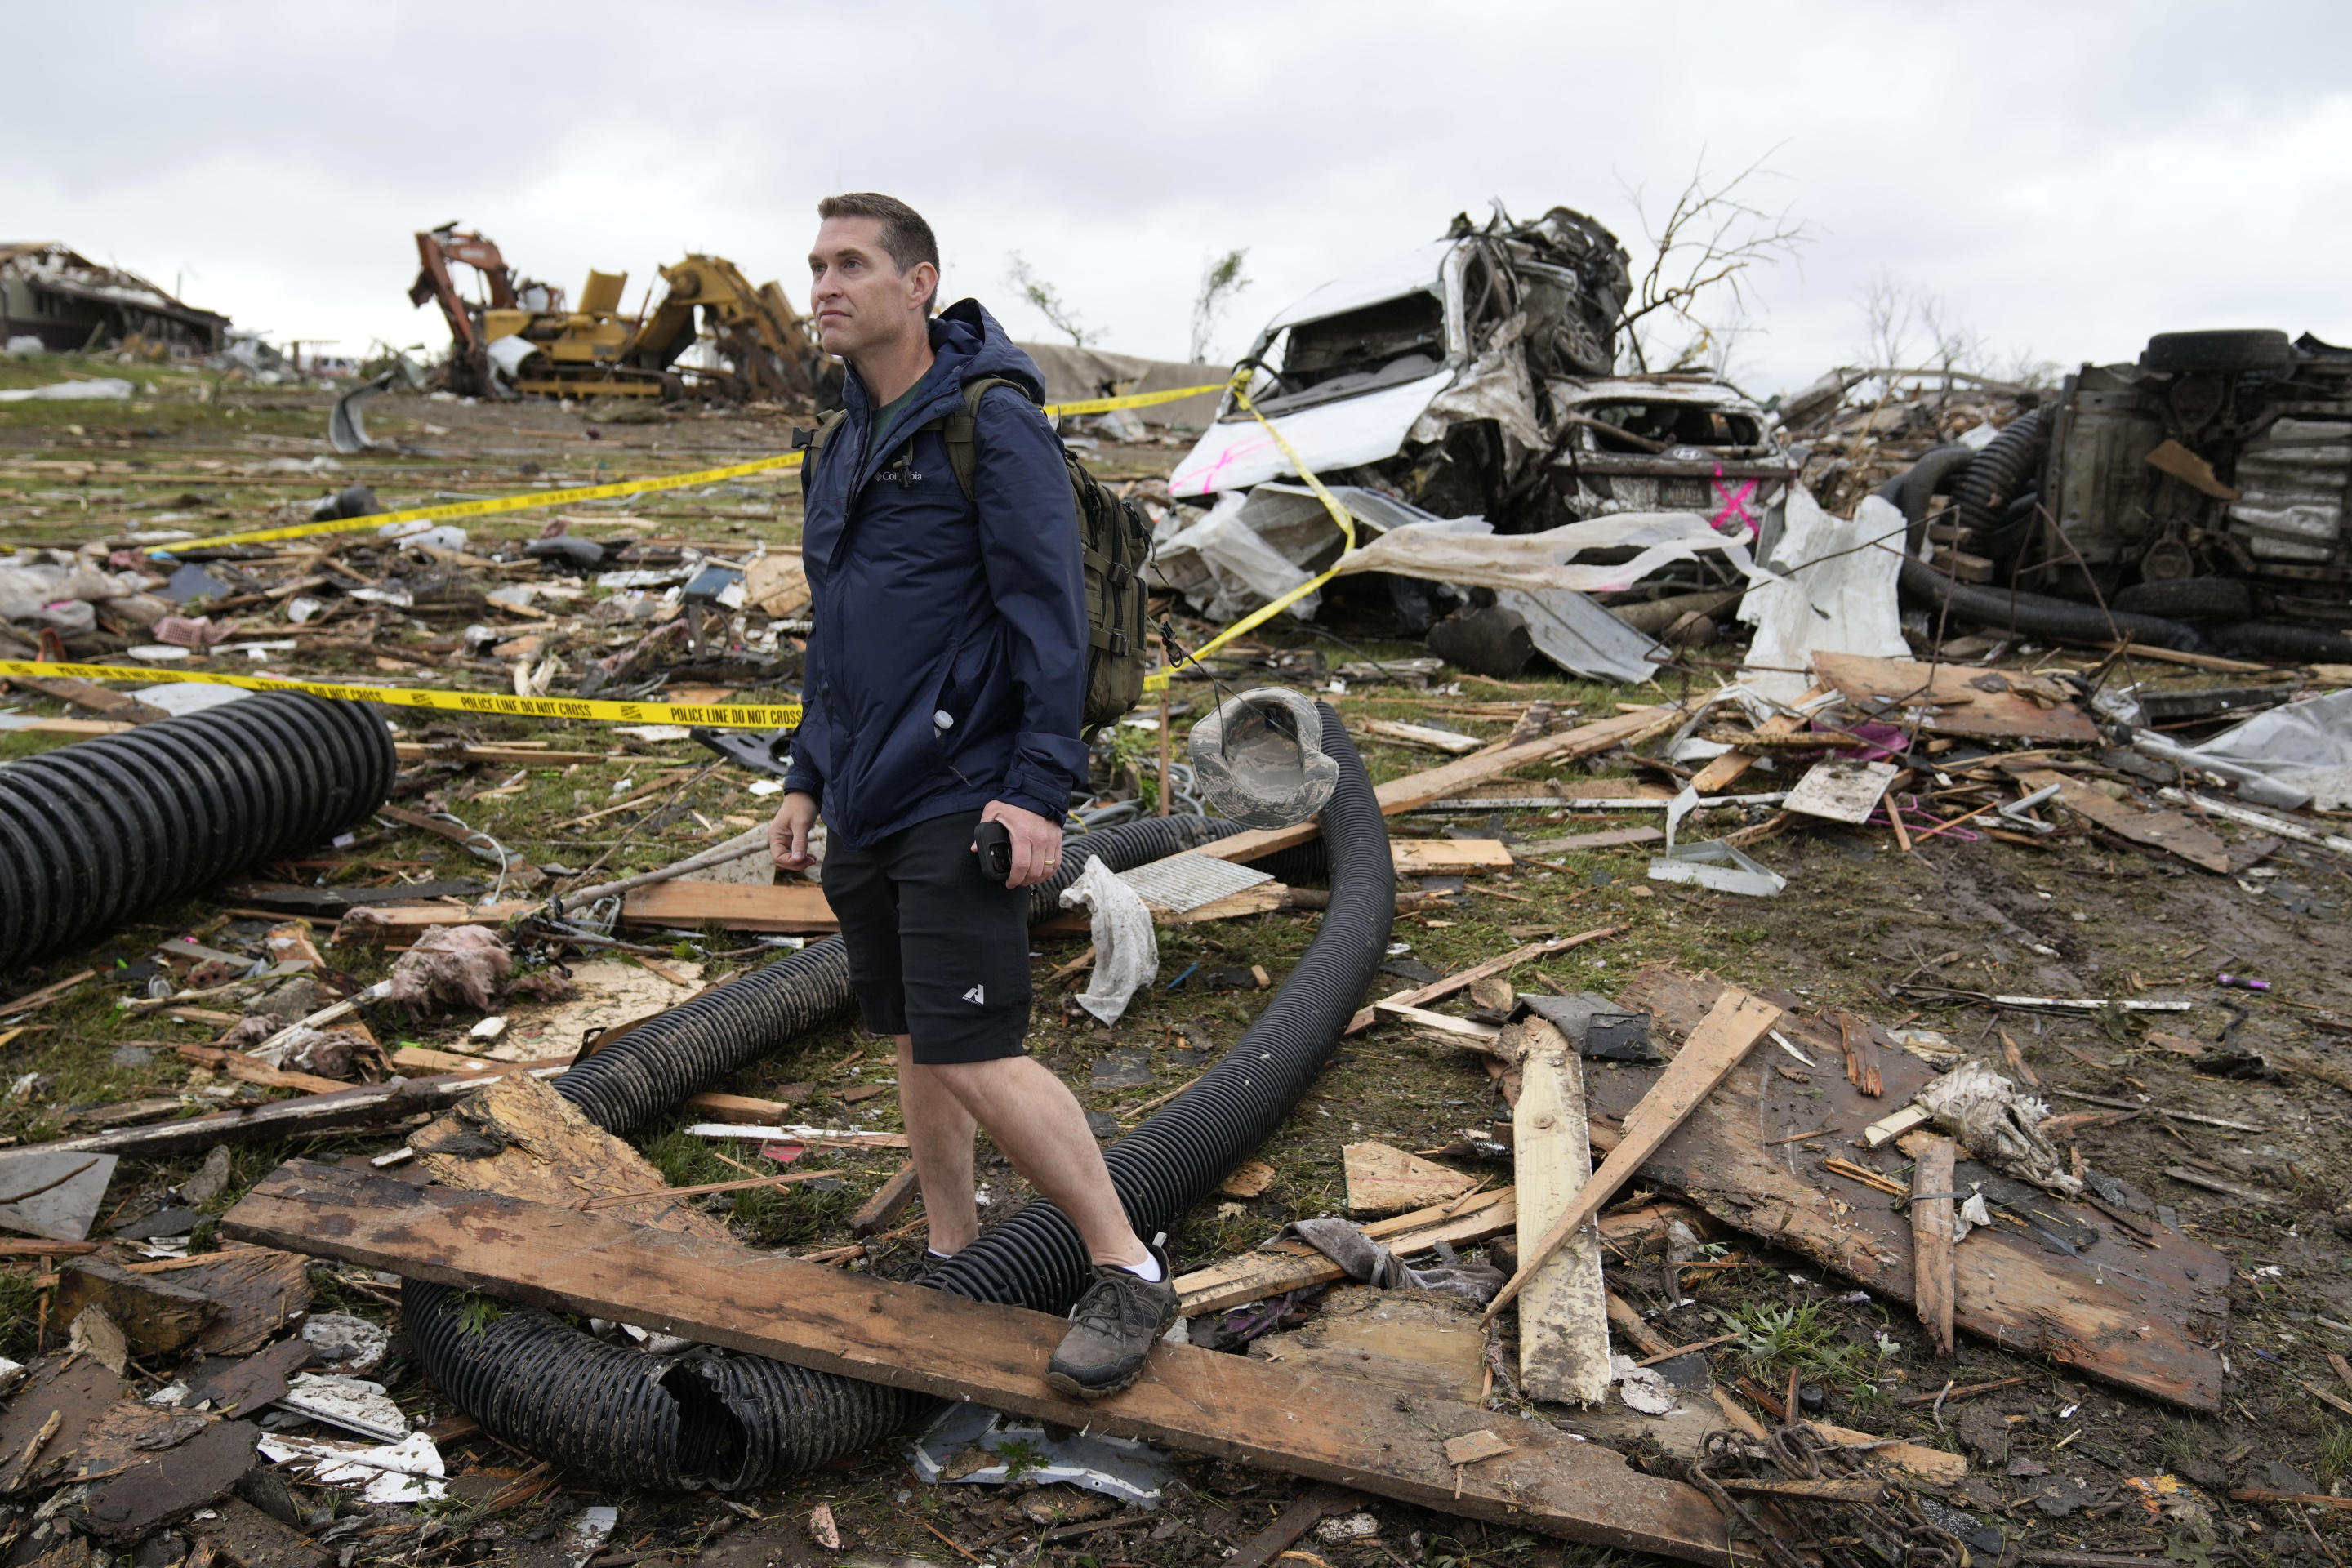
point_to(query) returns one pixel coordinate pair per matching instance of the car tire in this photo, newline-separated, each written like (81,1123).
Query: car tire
(2249,349)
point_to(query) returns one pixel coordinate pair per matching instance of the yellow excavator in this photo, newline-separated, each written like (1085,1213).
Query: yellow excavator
(521,337)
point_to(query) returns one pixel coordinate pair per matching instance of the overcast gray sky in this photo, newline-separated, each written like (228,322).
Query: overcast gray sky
(2065,179)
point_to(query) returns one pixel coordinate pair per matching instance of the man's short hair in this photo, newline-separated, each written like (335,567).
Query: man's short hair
(905,234)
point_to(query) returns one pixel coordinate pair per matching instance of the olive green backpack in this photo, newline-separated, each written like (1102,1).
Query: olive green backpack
(1114,541)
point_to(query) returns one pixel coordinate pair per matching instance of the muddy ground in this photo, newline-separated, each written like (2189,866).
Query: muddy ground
(2078,915)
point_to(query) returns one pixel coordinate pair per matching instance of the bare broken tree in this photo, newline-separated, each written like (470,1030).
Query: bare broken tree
(1044,299)
(1220,280)
(1701,251)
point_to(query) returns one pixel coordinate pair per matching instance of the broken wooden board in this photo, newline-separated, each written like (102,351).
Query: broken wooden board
(1382,1179)
(75,1390)
(2174,831)
(256,1291)
(1608,838)
(232,1385)
(522,1140)
(1415,1342)
(609,996)
(2153,1321)
(1438,989)
(1294,1420)
(177,1482)
(1293,1266)
(398,925)
(1453,778)
(368,1105)
(1965,700)
(1449,856)
(1716,1044)
(1451,741)
(1563,1316)
(786,907)
(158,1316)
(1727,770)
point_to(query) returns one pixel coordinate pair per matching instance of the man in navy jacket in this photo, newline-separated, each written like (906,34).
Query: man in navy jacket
(943,687)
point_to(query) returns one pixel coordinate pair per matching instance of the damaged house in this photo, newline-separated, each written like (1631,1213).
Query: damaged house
(1470,388)
(70,302)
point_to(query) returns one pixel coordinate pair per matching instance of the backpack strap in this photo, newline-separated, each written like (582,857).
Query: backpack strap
(960,431)
(815,448)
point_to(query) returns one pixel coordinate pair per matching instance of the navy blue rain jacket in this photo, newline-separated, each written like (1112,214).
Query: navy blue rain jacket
(948,665)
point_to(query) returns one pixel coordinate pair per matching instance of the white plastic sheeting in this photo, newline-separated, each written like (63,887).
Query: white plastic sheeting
(69,391)
(1127,951)
(1820,593)
(1447,552)
(2304,746)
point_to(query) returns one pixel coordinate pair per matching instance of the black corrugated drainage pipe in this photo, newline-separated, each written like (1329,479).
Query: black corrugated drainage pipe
(2040,615)
(708,1417)
(92,832)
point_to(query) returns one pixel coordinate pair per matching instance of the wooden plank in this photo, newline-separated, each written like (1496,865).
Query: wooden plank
(1249,1411)
(1386,1180)
(1609,839)
(45,994)
(1295,1521)
(393,923)
(1715,1047)
(1959,706)
(248,1070)
(1931,1238)
(1721,772)
(877,1212)
(2175,831)
(68,727)
(1438,989)
(1470,1031)
(2154,1320)
(1438,783)
(1451,741)
(1293,1266)
(369,1105)
(1563,1316)
(792,907)
(1449,856)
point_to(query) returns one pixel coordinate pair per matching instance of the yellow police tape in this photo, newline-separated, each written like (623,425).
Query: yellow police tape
(535,498)
(1339,515)
(765,716)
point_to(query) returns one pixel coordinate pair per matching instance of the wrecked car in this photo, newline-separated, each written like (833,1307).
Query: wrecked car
(1475,377)
(2196,497)
(1469,388)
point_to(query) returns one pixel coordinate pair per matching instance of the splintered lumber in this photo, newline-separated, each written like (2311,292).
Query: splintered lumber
(877,1212)
(1727,770)
(789,907)
(1295,1521)
(1454,777)
(1931,1237)
(1248,1411)
(1955,703)
(1563,1316)
(1449,856)
(369,1105)
(1437,989)
(2156,1320)
(1386,1180)
(1468,1031)
(1451,742)
(1714,1048)
(2174,831)
(1293,1266)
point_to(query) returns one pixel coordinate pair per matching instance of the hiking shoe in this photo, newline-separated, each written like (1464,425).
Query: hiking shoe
(1112,1330)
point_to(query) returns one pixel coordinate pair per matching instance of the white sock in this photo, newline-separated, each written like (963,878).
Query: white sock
(935,1252)
(1148,1270)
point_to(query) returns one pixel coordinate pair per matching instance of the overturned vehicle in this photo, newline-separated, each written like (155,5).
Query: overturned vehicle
(1470,388)
(2196,499)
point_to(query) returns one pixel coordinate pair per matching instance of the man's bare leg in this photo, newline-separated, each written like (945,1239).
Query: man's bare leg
(1042,1128)
(939,1137)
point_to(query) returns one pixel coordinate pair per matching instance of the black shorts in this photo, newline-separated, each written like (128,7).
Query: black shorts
(936,950)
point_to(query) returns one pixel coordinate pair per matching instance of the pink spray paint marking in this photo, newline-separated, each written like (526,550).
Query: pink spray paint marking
(1735,508)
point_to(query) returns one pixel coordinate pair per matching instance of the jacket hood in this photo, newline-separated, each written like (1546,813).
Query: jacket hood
(978,345)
